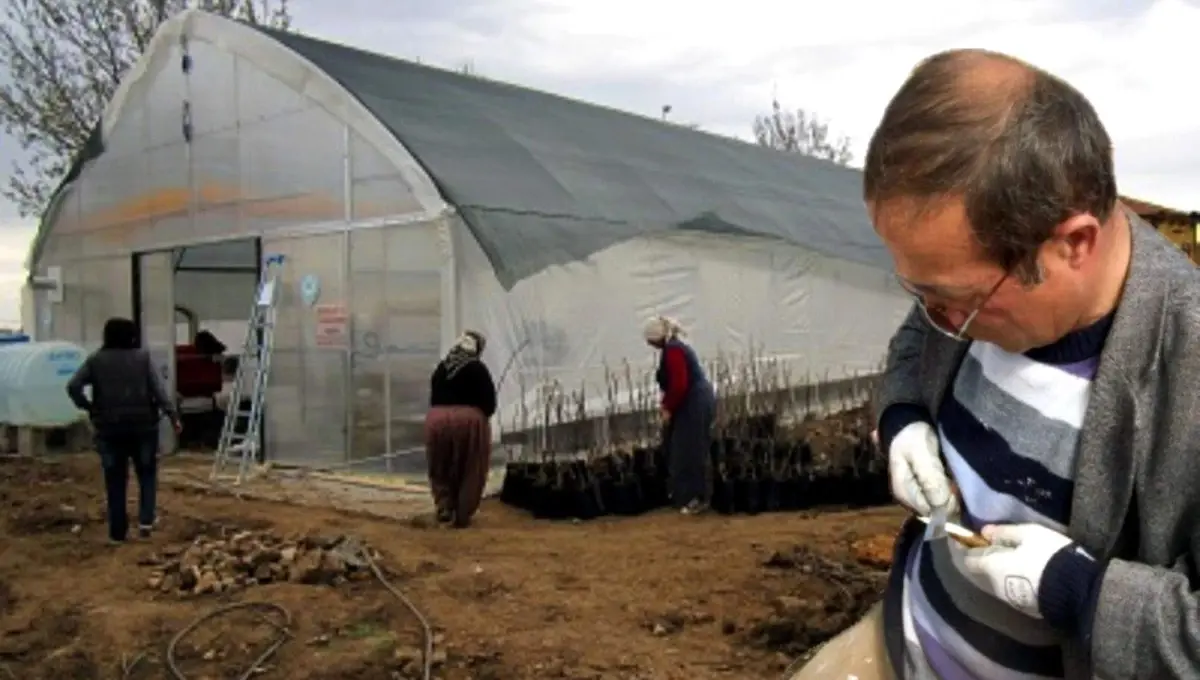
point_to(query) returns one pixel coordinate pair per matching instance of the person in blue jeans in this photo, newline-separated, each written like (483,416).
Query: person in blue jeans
(688,408)
(126,405)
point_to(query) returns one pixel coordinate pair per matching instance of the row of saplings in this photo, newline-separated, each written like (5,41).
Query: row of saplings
(758,469)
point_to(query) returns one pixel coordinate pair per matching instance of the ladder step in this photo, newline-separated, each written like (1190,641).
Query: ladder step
(254,365)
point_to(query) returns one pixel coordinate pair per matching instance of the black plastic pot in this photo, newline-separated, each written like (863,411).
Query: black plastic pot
(771,492)
(723,495)
(747,497)
(623,496)
(515,489)
(586,502)
(651,470)
(788,487)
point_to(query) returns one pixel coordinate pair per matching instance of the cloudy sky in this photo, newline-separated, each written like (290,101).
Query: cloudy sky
(719,64)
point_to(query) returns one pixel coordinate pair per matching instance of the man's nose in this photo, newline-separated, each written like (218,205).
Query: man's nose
(955,317)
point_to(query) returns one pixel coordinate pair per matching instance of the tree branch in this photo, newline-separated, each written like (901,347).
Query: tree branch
(66,59)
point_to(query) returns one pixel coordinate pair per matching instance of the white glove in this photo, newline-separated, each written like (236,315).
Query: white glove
(919,480)
(1011,568)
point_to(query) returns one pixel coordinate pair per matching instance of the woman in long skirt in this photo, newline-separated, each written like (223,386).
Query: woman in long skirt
(688,409)
(458,439)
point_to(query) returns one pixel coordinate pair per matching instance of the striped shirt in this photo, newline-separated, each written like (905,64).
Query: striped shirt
(1008,429)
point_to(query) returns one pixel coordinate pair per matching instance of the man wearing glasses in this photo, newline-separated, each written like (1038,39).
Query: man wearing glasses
(1044,392)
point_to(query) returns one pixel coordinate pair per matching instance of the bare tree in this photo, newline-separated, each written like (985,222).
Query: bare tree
(65,59)
(800,132)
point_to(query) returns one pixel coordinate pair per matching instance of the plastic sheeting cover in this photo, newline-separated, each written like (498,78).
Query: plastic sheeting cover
(543,180)
(822,318)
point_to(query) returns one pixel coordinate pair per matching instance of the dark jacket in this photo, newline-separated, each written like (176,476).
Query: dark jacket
(471,386)
(1137,477)
(127,393)
(681,377)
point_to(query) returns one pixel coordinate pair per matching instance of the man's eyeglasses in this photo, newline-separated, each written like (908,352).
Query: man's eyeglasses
(936,314)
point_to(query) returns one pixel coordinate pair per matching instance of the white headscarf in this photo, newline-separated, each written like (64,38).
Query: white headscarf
(660,329)
(465,350)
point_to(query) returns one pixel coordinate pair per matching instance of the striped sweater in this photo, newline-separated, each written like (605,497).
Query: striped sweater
(1008,429)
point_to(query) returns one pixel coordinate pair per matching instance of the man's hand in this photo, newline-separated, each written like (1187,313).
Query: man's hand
(919,480)
(178,425)
(664,415)
(1036,570)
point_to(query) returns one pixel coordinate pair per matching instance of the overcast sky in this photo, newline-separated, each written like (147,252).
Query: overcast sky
(719,64)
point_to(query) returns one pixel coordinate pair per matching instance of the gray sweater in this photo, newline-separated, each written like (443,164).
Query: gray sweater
(127,393)
(1136,501)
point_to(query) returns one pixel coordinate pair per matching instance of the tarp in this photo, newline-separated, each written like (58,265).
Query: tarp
(542,180)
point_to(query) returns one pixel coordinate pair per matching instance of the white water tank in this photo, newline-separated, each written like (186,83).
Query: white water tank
(33,383)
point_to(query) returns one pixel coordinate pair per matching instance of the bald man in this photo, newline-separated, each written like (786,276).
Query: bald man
(1043,392)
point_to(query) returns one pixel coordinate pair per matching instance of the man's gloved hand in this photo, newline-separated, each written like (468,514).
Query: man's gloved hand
(1036,570)
(919,480)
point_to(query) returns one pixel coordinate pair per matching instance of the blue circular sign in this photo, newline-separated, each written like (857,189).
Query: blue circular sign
(310,289)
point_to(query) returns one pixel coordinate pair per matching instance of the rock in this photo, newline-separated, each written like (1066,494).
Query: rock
(188,578)
(307,568)
(207,583)
(795,607)
(264,557)
(332,564)
(236,559)
(192,558)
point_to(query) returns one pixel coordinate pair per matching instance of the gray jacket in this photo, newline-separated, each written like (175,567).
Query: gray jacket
(1136,503)
(127,393)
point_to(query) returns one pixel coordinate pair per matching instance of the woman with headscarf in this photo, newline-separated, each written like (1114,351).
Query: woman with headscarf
(127,403)
(688,407)
(458,439)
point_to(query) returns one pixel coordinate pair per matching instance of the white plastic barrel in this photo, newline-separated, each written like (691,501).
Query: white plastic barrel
(33,383)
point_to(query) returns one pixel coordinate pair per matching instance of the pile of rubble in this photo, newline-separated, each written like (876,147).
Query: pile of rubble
(239,559)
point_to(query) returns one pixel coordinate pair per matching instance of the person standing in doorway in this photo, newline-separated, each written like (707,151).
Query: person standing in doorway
(458,438)
(127,402)
(688,408)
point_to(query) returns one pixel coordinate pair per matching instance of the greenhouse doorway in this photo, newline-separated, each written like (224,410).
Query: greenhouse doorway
(214,287)
(193,305)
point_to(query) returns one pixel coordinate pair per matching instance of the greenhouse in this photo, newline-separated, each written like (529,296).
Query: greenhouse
(411,203)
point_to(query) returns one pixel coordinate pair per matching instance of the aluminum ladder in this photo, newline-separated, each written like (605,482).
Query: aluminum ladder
(256,357)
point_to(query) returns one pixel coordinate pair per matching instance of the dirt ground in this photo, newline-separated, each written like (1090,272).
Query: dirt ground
(660,596)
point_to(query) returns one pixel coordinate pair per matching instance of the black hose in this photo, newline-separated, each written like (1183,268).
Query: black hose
(283,637)
(426,630)
(282,628)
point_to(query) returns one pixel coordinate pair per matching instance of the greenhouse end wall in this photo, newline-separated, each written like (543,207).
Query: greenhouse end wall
(350,372)
(265,158)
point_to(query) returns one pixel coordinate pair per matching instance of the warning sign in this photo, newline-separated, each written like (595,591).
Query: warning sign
(333,326)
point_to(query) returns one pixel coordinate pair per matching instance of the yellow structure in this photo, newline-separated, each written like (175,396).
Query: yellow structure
(1182,228)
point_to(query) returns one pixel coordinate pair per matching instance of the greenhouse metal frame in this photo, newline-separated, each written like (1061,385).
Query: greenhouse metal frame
(411,203)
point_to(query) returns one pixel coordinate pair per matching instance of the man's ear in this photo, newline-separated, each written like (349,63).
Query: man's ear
(1077,238)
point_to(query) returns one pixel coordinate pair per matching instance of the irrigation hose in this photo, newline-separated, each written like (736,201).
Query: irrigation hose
(282,628)
(426,630)
(284,635)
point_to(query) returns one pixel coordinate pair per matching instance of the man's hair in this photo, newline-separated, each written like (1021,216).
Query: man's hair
(1023,150)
